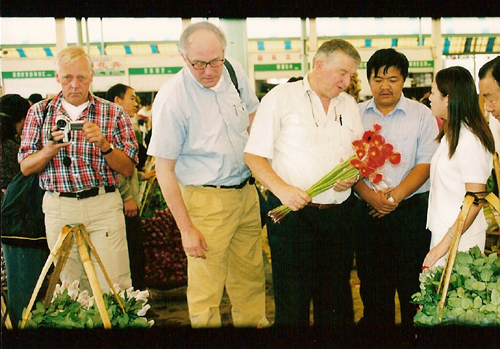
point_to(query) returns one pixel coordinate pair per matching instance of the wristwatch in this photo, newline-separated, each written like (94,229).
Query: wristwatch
(111,147)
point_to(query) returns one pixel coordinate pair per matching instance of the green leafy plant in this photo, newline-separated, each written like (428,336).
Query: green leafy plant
(473,296)
(71,308)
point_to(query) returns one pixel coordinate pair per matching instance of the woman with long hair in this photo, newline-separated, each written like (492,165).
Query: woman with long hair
(461,164)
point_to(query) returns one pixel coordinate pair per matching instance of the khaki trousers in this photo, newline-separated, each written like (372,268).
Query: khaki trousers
(229,219)
(103,218)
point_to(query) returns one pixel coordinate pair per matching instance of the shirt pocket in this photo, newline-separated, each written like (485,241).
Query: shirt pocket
(241,118)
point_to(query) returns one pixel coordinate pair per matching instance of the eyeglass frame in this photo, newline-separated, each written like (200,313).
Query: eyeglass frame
(206,63)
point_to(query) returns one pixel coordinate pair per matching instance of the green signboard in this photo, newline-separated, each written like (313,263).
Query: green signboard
(154,70)
(28,74)
(278,67)
(413,64)
(109,72)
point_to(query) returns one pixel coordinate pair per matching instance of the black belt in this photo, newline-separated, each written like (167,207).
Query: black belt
(322,206)
(89,193)
(249,180)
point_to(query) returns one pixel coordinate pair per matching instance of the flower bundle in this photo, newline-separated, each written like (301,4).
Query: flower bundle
(473,297)
(371,153)
(71,308)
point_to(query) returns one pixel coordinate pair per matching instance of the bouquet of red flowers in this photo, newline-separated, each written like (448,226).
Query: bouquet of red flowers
(371,153)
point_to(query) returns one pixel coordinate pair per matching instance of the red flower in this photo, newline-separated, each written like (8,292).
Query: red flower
(360,153)
(376,178)
(367,136)
(356,163)
(359,144)
(377,140)
(366,171)
(395,158)
(387,150)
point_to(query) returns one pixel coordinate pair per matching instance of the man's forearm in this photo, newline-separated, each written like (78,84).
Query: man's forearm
(119,162)
(165,173)
(415,179)
(263,171)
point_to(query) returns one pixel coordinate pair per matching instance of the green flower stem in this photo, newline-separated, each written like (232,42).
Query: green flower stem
(341,172)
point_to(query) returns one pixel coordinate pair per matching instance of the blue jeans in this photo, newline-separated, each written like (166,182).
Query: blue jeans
(24,266)
(312,257)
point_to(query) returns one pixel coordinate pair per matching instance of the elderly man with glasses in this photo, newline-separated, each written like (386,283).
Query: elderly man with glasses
(200,128)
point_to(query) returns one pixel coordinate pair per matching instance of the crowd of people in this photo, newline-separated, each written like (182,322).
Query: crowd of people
(211,138)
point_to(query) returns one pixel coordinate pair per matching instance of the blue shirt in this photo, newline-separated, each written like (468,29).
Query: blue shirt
(411,129)
(204,129)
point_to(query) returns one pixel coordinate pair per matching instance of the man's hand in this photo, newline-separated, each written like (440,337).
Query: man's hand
(345,184)
(382,204)
(293,197)
(93,134)
(130,208)
(148,175)
(194,243)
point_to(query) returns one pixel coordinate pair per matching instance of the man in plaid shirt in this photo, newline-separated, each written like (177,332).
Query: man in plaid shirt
(80,175)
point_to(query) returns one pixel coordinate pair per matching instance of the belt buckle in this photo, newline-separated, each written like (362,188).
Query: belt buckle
(81,195)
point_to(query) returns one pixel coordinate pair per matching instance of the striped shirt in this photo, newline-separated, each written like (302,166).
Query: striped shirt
(88,167)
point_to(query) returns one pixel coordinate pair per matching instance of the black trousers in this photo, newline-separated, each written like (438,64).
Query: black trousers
(136,254)
(312,258)
(389,256)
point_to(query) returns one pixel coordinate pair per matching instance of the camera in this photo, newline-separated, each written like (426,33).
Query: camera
(67,127)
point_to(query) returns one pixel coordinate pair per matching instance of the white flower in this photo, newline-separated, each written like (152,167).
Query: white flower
(117,288)
(151,323)
(73,290)
(142,296)
(142,312)
(85,299)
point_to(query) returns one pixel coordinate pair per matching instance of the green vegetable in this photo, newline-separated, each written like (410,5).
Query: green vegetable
(473,296)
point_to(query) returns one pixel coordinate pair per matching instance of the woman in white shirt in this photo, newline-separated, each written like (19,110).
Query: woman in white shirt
(461,164)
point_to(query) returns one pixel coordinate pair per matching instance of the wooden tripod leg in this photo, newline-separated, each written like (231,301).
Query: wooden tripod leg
(65,234)
(93,250)
(65,250)
(452,254)
(89,269)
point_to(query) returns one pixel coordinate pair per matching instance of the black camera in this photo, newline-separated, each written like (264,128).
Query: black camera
(67,127)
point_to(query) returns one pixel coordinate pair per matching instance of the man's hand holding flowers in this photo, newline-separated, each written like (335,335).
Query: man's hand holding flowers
(293,197)
(371,154)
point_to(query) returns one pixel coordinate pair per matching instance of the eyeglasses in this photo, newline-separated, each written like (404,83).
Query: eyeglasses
(202,65)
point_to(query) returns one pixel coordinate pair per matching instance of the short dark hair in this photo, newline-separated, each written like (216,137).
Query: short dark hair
(13,108)
(35,98)
(117,90)
(492,66)
(387,58)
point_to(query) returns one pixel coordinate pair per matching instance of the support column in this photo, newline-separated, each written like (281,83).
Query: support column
(60,34)
(303,43)
(236,34)
(437,45)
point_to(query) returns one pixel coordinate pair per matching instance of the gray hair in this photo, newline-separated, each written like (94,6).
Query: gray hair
(328,49)
(183,42)
(69,55)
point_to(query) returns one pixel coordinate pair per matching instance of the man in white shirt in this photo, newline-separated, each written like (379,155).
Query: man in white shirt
(302,130)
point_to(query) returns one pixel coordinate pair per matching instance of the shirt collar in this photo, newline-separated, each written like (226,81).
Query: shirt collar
(193,79)
(306,89)
(402,105)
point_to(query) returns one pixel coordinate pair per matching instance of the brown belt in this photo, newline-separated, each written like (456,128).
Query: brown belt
(322,206)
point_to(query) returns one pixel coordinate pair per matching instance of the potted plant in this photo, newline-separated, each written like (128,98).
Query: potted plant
(71,308)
